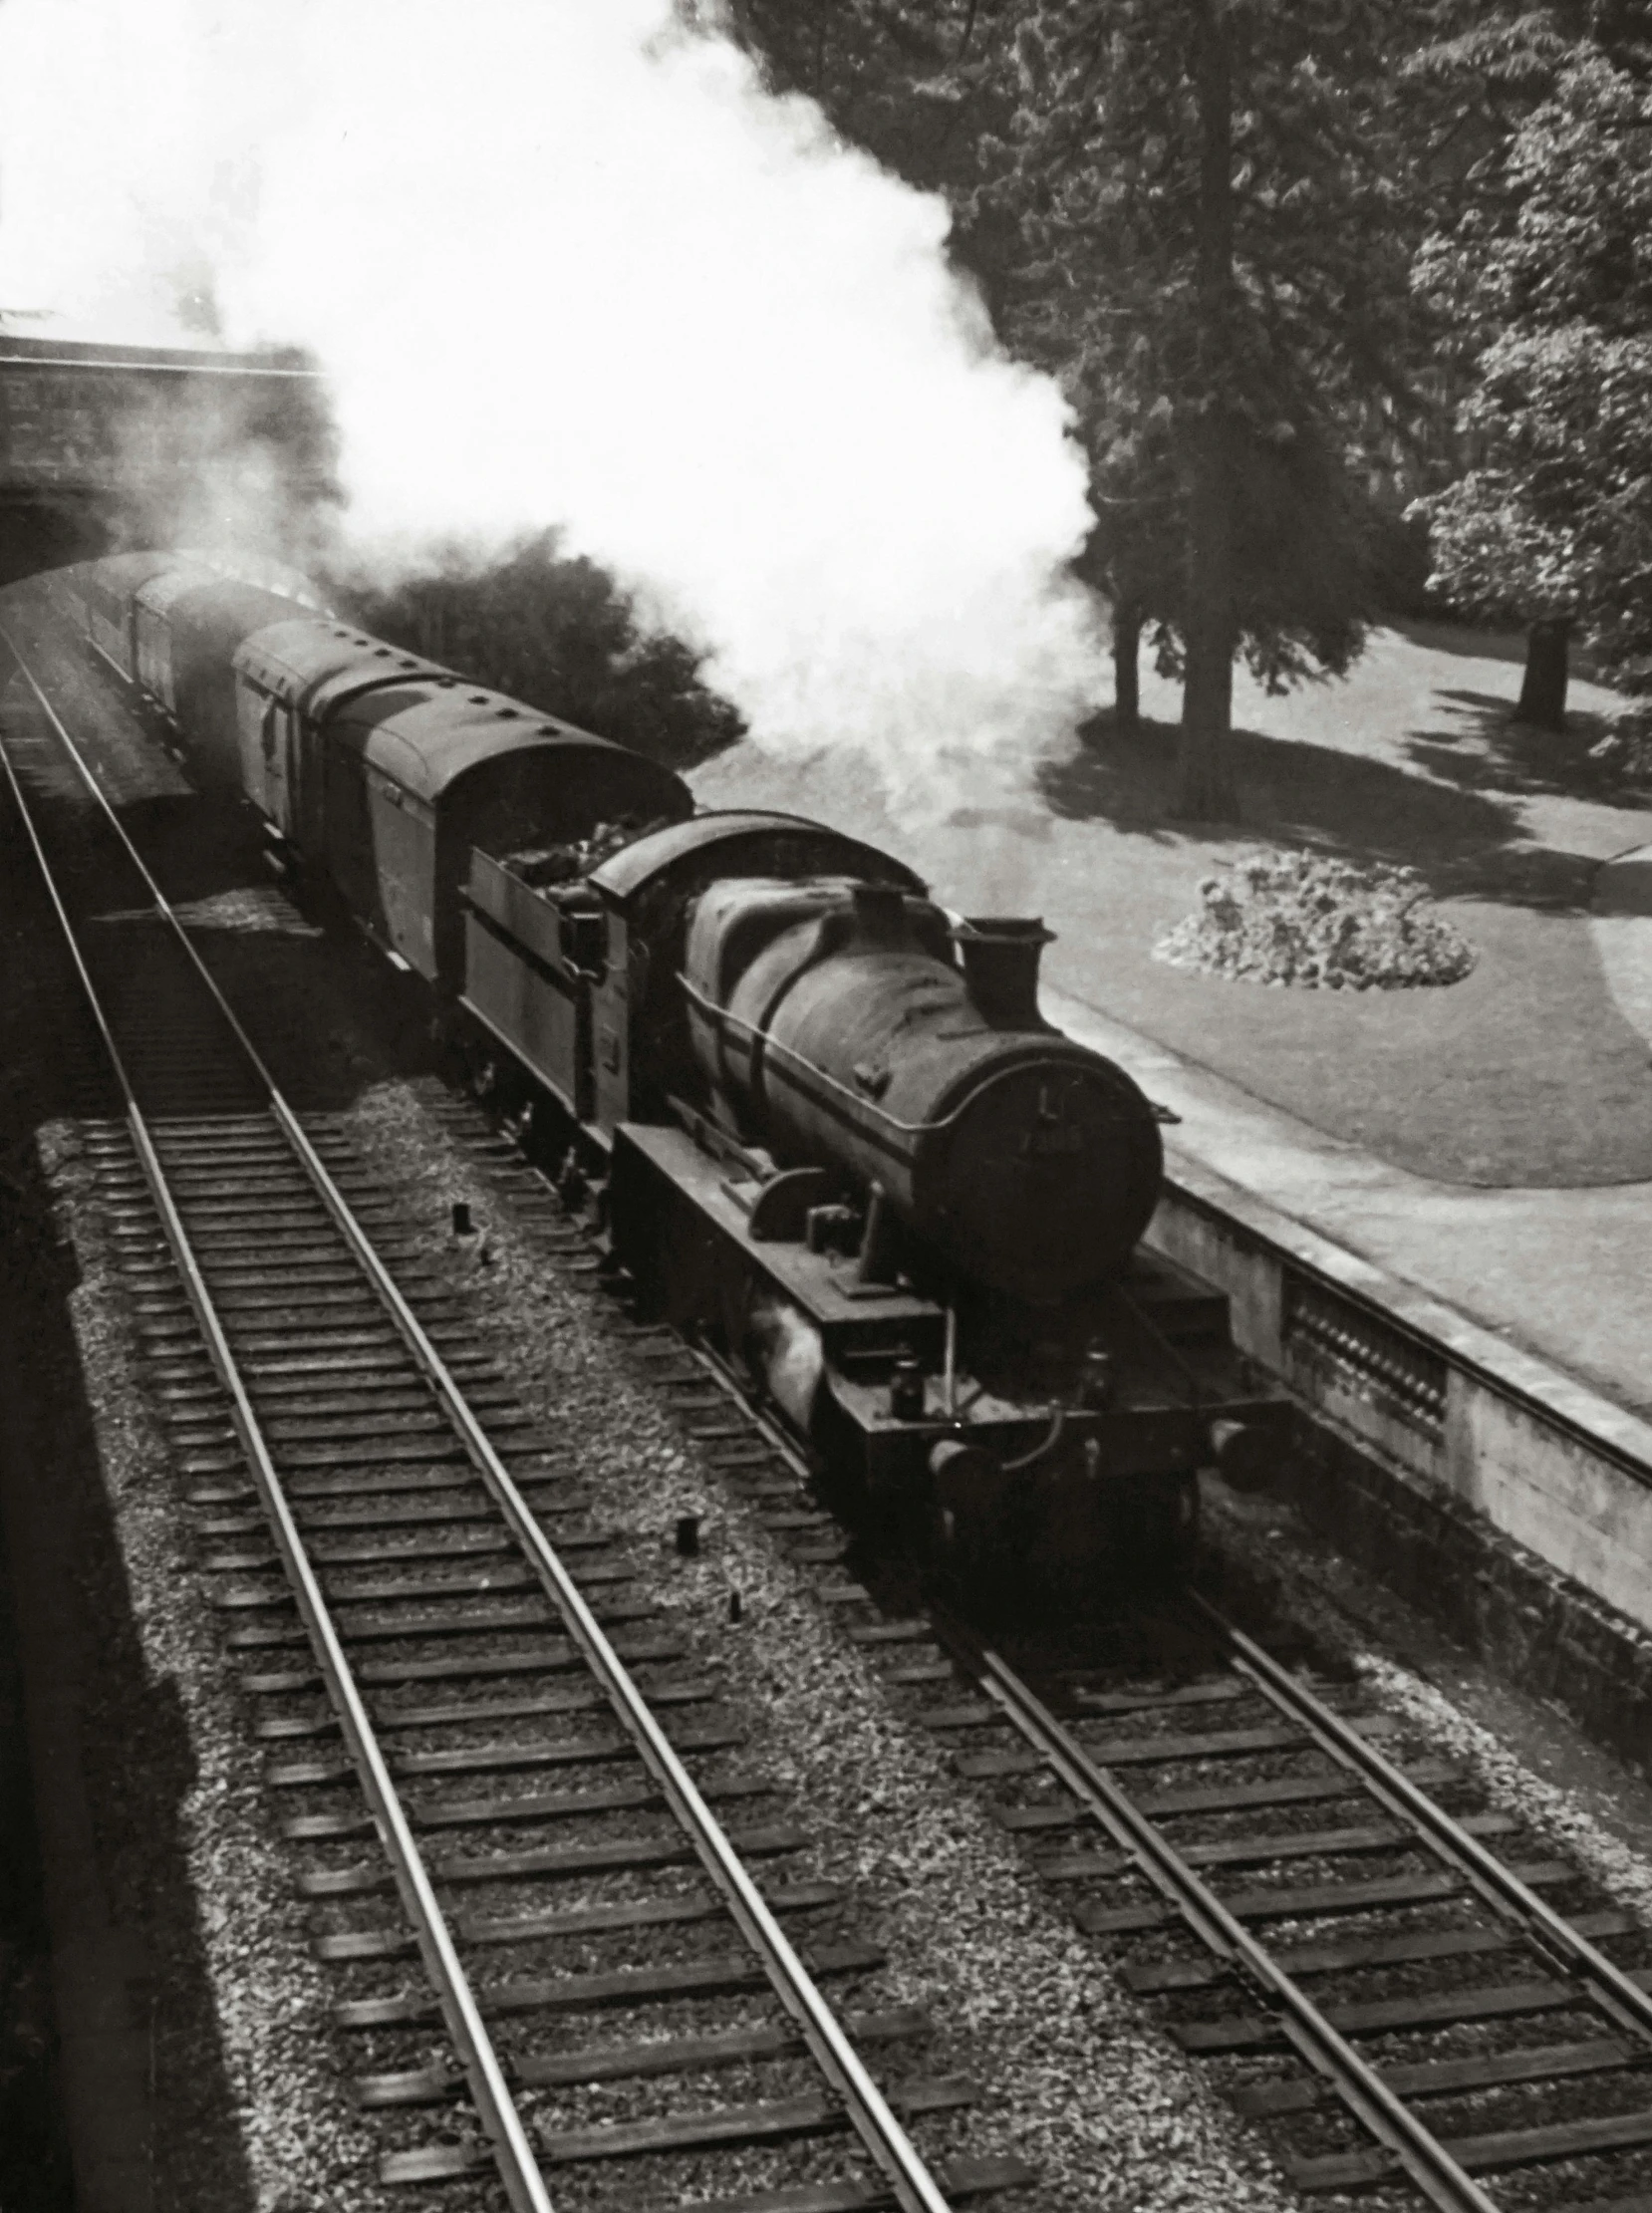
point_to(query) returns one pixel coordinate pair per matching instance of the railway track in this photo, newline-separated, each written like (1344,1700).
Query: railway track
(1410,1995)
(1538,2039)
(463,1706)
(1416,1999)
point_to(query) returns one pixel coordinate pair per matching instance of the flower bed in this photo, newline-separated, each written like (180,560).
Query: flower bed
(1301,917)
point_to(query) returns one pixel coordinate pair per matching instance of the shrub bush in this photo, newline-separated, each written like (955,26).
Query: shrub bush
(1624,754)
(557,631)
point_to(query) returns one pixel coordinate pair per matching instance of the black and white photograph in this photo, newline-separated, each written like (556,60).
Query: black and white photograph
(825,1106)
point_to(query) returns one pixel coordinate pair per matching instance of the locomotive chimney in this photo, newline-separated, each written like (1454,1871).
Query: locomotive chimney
(1001,956)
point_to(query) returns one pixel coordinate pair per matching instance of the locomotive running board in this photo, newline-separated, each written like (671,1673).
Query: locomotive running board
(657,1167)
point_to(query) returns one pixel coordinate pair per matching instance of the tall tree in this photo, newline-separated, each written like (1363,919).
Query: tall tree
(912,81)
(1547,277)
(1194,213)
(1211,623)
(1215,213)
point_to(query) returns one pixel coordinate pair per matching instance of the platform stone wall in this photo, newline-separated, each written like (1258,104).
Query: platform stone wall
(1504,1498)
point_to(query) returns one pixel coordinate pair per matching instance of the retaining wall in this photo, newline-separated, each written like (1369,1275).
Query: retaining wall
(1508,1501)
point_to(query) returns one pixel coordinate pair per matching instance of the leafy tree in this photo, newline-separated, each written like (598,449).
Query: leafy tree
(1555,527)
(1552,275)
(912,81)
(1187,211)
(558,633)
(1303,569)
(1215,221)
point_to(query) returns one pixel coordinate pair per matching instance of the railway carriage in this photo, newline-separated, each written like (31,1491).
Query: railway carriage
(385,770)
(291,680)
(461,771)
(104,592)
(820,1119)
(187,624)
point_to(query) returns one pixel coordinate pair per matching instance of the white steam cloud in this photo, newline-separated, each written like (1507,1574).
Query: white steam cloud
(565,262)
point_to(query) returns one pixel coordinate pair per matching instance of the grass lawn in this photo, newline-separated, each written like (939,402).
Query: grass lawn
(1524,1073)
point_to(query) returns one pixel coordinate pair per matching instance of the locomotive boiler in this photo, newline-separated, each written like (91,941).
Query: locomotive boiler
(818,1120)
(836,1017)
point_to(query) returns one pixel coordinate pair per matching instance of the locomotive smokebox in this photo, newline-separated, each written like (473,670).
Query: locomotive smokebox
(836,1026)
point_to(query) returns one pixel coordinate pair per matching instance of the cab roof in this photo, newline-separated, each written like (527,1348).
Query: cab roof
(124,572)
(198,594)
(635,864)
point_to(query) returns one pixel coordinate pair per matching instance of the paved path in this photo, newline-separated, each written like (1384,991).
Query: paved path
(1565,1274)
(1622,928)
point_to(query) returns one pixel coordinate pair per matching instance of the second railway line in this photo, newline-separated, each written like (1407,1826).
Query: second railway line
(1426,1997)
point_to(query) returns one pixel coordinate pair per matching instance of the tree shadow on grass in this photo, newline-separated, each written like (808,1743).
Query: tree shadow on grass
(1490,748)
(1119,778)
(1465,840)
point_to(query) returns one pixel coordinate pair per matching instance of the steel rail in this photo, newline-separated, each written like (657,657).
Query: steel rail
(519,2168)
(1426,2161)
(869,2112)
(1617,1992)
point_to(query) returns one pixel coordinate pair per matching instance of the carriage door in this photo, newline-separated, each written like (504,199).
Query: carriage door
(278,766)
(272,761)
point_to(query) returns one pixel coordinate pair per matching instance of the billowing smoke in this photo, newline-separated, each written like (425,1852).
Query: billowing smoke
(565,262)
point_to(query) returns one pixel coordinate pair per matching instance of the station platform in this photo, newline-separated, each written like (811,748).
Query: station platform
(1564,1274)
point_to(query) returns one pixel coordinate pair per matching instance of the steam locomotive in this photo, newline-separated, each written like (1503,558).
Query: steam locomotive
(822,1118)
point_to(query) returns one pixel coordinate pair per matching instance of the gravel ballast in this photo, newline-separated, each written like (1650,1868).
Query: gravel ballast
(289,2140)
(1074,2074)
(1595,1816)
